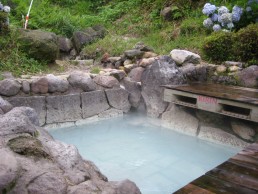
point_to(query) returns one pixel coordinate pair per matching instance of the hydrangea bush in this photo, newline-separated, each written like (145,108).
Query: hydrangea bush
(220,18)
(4,20)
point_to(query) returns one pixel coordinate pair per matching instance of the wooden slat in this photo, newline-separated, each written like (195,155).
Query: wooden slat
(192,189)
(220,91)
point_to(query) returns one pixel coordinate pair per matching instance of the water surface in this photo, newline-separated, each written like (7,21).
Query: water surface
(158,160)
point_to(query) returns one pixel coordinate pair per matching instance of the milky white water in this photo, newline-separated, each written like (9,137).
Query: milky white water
(158,160)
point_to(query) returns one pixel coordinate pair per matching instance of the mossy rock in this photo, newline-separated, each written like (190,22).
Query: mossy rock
(42,46)
(28,146)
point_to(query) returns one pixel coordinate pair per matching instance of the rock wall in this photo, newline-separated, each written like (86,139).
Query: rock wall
(33,162)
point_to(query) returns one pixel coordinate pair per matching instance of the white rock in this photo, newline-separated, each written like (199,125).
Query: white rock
(183,56)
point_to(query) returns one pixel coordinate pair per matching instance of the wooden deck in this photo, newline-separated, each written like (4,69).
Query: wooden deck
(238,175)
(231,101)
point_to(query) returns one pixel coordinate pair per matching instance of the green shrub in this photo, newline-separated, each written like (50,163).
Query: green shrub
(246,45)
(219,46)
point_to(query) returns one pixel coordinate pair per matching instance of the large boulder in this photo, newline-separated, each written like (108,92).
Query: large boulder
(248,77)
(56,84)
(81,80)
(39,86)
(184,56)
(162,72)
(179,119)
(118,98)
(194,73)
(9,87)
(136,74)
(243,130)
(39,45)
(87,36)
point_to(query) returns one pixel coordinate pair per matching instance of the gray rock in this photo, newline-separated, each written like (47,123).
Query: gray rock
(178,119)
(5,106)
(106,81)
(184,56)
(118,74)
(8,169)
(39,45)
(69,159)
(134,90)
(1,112)
(38,103)
(136,74)
(11,124)
(146,62)
(94,171)
(9,87)
(87,187)
(93,103)
(48,182)
(26,87)
(135,53)
(65,44)
(243,130)
(118,98)
(233,63)
(162,72)
(217,135)
(221,69)
(142,47)
(111,113)
(248,77)
(194,73)
(149,55)
(82,81)
(166,13)
(7,75)
(63,108)
(39,86)
(56,84)
(127,186)
(113,59)
(29,112)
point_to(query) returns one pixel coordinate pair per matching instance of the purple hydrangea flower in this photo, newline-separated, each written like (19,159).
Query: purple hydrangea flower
(223,10)
(251,2)
(216,27)
(236,13)
(1,7)
(208,23)
(208,9)
(214,17)
(226,18)
(230,25)
(248,9)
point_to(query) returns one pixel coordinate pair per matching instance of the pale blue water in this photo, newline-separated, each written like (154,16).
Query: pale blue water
(158,160)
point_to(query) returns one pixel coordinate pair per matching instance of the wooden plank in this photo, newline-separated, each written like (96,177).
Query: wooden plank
(192,189)
(236,174)
(218,186)
(220,91)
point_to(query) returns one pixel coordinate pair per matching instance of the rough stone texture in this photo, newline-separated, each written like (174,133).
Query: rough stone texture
(243,130)
(136,74)
(87,36)
(5,106)
(166,13)
(227,80)
(162,72)
(233,63)
(221,69)
(211,119)
(219,136)
(82,81)
(39,86)
(146,62)
(65,44)
(26,87)
(178,119)
(111,113)
(106,81)
(113,59)
(39,45)
(248,77)
(94,171)
(63,108)
(118,98)
(234,68)
(127,186)
(69,159)
(134,90)
(93,103)
(10,124)
(149,55)
(38,103)
(194,72)
(142,47)
(8,168)
(56,84)
(9,87)
(135,53)
(118,74)
(184,56)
